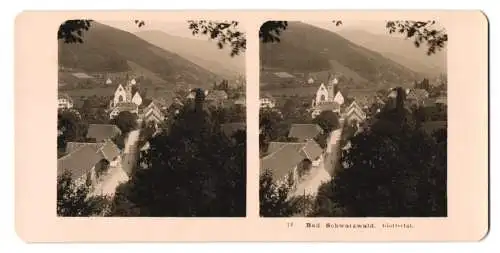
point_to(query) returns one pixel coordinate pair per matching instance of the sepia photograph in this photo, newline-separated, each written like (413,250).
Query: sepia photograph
(151,118)
(353,118)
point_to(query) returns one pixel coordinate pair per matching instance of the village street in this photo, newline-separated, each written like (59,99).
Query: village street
(130,153)
(120,174)
(324,171)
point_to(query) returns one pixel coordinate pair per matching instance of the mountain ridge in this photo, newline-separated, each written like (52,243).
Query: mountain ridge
(108,49)
(399,49)
(204,53)
(306,48)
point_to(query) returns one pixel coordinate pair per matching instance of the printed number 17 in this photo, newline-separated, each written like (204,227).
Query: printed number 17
(289,224)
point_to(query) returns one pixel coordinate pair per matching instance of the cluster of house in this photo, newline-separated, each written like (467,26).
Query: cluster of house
(125,98)
(326,98)
(219,98)
(289,162)
(90,162)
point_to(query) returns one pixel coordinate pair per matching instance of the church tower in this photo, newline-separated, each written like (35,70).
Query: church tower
(128,91)
(332,81)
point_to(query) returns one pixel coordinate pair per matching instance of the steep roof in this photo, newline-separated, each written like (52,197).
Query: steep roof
(275,146)
(101,132)
(85,156)
(304,132)
(283,160)
(418,94)
(312,150)
(79,162)
(283,156)
(73,146)
(355,110)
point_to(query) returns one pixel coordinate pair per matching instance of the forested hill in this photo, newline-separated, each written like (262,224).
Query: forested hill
(305,48)
(107,49)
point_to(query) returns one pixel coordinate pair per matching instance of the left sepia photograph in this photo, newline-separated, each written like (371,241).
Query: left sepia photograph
(151,118)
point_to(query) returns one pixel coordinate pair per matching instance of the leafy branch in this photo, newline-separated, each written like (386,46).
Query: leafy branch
(223,32)
(421,32)
(71,31)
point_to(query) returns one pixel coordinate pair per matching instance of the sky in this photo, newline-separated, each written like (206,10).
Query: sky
(376,27)
(180,28)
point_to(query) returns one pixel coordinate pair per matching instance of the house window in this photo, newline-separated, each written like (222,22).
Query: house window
(120,98)
(323,98)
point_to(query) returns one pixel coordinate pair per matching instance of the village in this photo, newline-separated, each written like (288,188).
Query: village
(305,152)
(115,130)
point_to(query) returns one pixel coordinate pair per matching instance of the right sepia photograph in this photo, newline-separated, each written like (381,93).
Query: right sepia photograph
(353,118)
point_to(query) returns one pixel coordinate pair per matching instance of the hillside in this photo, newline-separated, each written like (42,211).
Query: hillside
(400,50)
(305,48)
(109,50)
(204,53)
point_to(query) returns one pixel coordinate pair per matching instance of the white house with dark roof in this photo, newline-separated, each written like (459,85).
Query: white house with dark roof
(289,162)
(152,114)
(124,100)
(64,101)
(267,101)
(354,113)
(339,98)
(88,161)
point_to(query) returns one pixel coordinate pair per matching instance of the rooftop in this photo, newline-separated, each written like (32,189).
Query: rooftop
(304,132)
(283,156)
(283,75)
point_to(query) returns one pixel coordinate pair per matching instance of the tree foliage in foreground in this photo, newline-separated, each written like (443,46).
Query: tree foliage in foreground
(74,200)
(193,170)
(327,120)
(273,198)
(392,169)
(125,121)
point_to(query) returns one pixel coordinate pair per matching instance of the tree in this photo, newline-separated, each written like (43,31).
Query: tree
(324,204)
(327,120)
(74,200)
(273,198)
(397,173)
(71,127)
(223,32)
(126,121)
(192,170)
(421,32)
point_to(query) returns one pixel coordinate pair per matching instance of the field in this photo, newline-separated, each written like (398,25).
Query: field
(298,91)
